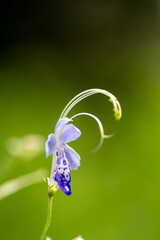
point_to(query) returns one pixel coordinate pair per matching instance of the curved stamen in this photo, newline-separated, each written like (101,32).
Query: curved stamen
(73,102)
(100,128)
(89,92)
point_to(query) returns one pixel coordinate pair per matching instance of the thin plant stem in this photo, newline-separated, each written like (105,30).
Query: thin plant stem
(14,185)
(50,200)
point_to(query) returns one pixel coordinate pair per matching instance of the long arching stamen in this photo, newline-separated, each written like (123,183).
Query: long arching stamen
(100,128)
(89,92)
(73,102)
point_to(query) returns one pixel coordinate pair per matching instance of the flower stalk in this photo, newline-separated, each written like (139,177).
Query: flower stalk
(64,158)
(50,200)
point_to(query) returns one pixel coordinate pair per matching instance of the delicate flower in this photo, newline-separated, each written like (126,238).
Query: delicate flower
(64,157)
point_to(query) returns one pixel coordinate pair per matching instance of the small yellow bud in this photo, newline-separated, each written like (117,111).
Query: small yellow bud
(52,190)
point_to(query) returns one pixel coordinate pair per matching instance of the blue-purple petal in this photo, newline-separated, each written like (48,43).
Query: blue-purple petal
(72,157)
(69,133)
(61,173)
(66,189)
(50,145)
(61,123)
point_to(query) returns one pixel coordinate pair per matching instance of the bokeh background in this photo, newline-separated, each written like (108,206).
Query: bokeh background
(49,52)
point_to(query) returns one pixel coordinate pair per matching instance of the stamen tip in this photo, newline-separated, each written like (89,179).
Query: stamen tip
(116,114)
(117,118)
(110,100)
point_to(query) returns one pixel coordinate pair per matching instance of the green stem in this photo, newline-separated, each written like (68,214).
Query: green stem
(50,200)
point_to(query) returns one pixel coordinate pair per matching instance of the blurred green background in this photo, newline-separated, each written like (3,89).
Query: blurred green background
(51,51)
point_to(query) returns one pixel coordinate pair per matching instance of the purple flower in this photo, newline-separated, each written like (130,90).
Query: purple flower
(66,158)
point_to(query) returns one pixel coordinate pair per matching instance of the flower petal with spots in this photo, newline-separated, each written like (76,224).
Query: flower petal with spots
(61,173)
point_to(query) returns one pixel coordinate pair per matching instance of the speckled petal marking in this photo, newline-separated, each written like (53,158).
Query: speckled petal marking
(61,173)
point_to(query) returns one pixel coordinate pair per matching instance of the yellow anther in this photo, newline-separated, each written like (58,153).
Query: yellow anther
(116,114)
(117,117)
